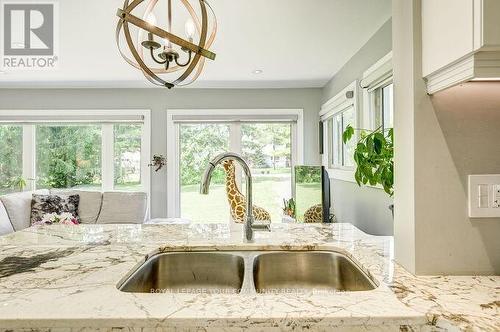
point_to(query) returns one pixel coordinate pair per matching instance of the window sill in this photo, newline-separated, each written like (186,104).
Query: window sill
(347,175)
(344,174)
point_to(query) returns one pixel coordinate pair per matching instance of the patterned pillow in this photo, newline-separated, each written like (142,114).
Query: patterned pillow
(44,204)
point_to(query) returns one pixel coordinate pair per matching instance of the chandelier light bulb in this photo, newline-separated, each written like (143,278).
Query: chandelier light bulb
(151,19)
(166,43)
(190,29)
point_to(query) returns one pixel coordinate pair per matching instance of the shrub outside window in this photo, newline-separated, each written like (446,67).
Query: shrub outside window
(91,150)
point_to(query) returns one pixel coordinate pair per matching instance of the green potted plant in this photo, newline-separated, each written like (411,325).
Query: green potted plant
(289,208)
(374,157)
(18,183)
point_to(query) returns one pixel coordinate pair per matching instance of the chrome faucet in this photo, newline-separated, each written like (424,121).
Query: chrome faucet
(250,224)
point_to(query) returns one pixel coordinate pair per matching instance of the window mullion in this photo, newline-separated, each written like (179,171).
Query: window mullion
(107,158)
(342,160)
(294,160)
(145,159)
(177,173)
(235,146)
(29,156)
(235,137)
(382,108)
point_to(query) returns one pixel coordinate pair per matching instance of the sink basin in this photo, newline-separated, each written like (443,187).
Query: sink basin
(308,270)
(185,272)
(249,272)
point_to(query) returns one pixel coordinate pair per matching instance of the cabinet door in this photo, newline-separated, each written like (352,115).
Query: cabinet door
(447,32)
(490,21)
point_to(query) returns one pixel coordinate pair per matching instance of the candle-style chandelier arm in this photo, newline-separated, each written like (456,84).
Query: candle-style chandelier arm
(186,63)
(160,62)
(127,17)
(152,77)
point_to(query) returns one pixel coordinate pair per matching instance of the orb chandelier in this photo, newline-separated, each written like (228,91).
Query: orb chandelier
(160,52)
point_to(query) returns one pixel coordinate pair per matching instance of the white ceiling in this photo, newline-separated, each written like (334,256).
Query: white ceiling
(297,43)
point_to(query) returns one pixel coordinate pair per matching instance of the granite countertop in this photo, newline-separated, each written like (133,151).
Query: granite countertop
(64,278)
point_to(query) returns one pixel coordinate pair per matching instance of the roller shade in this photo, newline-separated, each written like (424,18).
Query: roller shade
(67,118)
(382,81)
(287,118)
(380,75)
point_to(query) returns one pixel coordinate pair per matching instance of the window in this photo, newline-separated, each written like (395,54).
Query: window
(95,150)
(267,147)
(127,156)
(378,95)
(336,153)
(336,114)
(376,110)
(388,106)
(199,143)
(380,106)
(341,153)
(11,159)
(68,156)
(267,139)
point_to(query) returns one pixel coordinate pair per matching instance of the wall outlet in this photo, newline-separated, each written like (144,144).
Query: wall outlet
(496,196)
(484,196)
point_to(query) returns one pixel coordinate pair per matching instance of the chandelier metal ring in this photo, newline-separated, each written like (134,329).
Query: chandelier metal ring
(197,53)
(140,36)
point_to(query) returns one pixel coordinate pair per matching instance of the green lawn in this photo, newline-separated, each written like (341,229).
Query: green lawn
(268,193)
(308,195)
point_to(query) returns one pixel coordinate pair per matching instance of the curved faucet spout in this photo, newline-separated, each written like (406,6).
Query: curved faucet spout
(207,176)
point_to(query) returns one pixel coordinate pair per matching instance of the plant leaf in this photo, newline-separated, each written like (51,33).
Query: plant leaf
(374,158)
(348,133)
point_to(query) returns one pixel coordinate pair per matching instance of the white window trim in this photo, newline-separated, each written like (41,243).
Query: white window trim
(29,140)
(29,156)
(377,76)
(173,164)
(337,104)
(107,157)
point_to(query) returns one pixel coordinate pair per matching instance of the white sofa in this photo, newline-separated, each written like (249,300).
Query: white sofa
(95,208)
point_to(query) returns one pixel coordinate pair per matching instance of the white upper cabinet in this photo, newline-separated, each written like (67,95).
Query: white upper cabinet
(460,41)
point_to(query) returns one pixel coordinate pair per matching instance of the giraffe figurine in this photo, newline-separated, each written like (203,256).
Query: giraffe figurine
(236,199)
(314,214)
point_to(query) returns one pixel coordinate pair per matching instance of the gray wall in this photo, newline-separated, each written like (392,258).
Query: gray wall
(158,100)
(469,120)
(379,45)
(439,141)
(365,207)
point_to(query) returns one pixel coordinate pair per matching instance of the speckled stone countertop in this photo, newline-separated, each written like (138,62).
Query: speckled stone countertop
(64,278)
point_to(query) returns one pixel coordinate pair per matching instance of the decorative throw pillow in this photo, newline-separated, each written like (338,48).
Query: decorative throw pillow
(55,205)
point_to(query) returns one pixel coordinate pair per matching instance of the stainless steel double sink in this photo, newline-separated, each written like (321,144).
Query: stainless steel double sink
(247,272)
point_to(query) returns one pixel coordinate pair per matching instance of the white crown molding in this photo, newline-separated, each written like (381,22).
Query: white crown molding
(455,73)
(475,66)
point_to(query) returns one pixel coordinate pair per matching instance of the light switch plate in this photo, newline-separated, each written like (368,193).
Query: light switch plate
(496,196)
(484,196)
